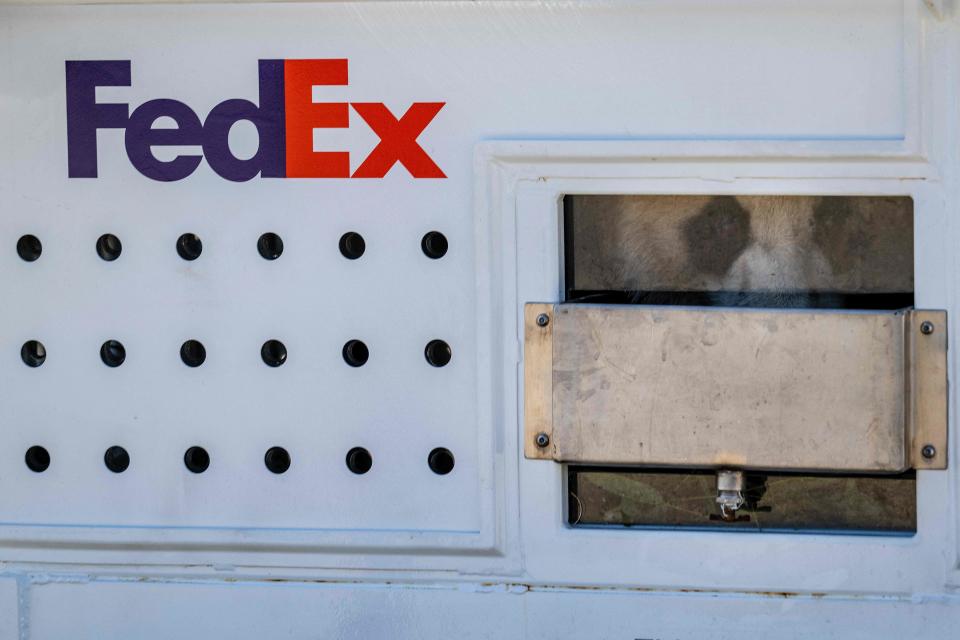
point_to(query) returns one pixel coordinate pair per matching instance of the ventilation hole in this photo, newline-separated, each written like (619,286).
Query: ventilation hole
(273,353)
(197,459)
(37,459)
(355,353)
(193,353)
(29,247)
(117,459)
(359,460)
(189,246)
(440,461)
(109,247)
(434,245)
(270,246)
(277,459)
(33,353)
(112,353)
(352,245)
(438,353)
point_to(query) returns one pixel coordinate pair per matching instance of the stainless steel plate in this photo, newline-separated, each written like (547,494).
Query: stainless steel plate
(804,390)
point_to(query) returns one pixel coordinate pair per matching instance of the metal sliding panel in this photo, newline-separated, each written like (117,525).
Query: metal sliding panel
(824,390)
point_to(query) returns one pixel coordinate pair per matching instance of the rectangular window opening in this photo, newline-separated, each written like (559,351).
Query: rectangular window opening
(784,502)
(817,252)
(824,252)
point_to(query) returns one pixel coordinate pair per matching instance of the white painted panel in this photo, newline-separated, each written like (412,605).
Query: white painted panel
(520,71)
(738,96)
(9,609)
(425,612)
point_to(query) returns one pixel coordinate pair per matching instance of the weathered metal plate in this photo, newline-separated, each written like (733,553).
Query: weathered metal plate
(803,390)
(927,344)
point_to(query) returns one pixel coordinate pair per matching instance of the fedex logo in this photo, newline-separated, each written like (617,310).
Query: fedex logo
(285,119)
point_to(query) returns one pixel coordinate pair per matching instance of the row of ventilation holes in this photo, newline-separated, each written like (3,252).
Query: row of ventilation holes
(273,352)
(277,460)
(270,246)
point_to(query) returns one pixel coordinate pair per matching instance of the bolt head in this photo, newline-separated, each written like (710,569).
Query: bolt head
(929,451)
(543,320)
(926,327)
(542,440)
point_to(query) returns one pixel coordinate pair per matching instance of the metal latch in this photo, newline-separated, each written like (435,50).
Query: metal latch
(730,486)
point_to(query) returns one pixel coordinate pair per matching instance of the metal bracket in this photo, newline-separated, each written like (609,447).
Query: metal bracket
(927,389)
(538,381)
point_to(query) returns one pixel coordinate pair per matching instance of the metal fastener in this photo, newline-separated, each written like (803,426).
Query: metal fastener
(926,327)
(542,440)
(929,451)
(543,320)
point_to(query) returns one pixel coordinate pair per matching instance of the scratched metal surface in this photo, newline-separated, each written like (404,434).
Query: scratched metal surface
(768,389)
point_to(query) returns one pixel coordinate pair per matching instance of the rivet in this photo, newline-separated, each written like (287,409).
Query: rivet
(543,320)
(542,440)
(929,451)
(926,327)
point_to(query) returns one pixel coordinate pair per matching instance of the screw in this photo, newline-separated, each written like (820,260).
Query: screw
(929,451)
(543,320)
(926,327)
(542,440)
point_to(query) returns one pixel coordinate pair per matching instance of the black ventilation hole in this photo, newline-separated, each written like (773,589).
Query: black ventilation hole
(273,353)
(29,248)
(277,459)
(189,246)
(37,459)
(355,353)
(117,459)
(440,461)
(33,353)
(112,353)
(438,353)
(193,353)
(434,245)
(352,245)
(109,247)
(270,246)
(197,459)
(359,460)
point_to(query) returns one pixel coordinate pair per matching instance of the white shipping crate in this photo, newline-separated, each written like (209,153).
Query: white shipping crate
(381,490)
